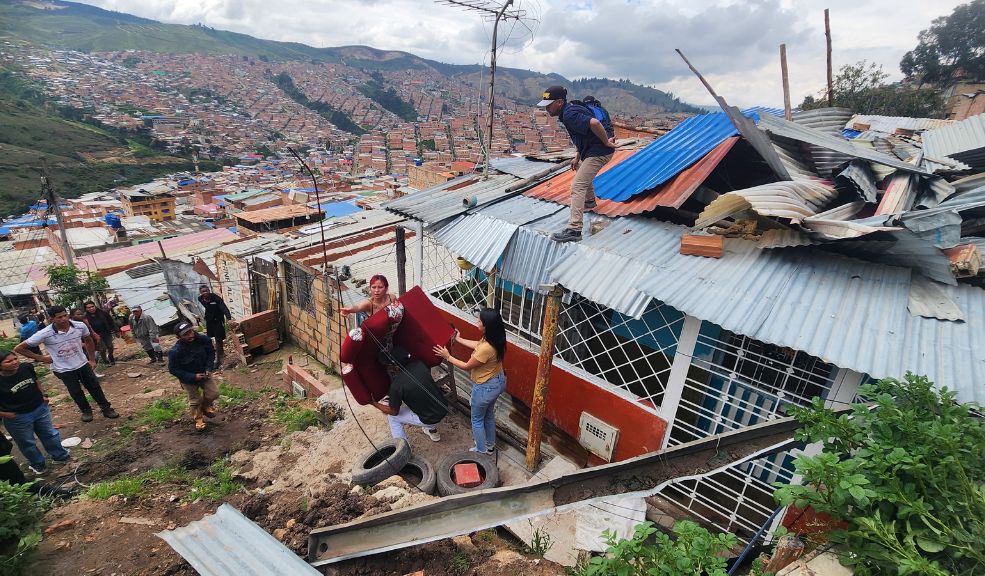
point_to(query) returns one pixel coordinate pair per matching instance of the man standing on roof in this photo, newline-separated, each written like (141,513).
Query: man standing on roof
(216,314)
(593,149)
(191,361)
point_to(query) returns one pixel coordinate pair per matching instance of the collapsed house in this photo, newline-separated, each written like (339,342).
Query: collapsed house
(837,250)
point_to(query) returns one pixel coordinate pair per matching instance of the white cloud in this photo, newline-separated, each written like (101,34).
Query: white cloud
(734,43)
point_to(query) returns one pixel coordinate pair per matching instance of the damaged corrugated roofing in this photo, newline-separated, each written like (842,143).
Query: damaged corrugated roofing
(521,167)
(962,141)
(481,237)
(890,124)
(227,543)
(829,121)
(781,127)
(845,311)
(531,254)
(444,201)
(787,199)
(667,156)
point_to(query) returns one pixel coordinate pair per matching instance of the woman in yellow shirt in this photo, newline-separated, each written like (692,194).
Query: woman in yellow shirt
(485,368)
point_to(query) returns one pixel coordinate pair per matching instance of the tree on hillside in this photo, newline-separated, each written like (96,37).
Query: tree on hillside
(953,47)
(73,286)
(862,87)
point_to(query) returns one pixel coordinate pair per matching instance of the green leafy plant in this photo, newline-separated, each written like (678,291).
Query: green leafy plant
(233,396)
(905,478)
(293,417)
(650,552)
(7,344)
(540,543)
(20,517)
(73,286)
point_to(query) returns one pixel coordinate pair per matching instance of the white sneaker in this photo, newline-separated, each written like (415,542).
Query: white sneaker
(432,434)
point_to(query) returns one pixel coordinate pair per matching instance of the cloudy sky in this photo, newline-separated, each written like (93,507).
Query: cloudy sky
(735,44)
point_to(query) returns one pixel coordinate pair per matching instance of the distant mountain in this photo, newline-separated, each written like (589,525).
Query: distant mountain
(74,26)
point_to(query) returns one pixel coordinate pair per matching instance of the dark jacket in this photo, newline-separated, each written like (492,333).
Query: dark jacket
(216,311)
(186,359)
(576,119)
(106,324)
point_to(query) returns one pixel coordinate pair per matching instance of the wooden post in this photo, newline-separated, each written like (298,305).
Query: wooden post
(491,289)
(787,113)
(827,37)
(401,261)
(161,248)
(544,362)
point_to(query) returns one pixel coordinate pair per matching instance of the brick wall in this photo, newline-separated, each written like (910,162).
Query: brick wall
(315,331)
(313,386)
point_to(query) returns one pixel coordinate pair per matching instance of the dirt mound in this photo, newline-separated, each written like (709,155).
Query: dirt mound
(193,459)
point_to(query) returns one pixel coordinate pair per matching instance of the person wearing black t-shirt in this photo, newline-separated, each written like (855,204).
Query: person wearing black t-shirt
(24,409)
(414,398)
(216,314)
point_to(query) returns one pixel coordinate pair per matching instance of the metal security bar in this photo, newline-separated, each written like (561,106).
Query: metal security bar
(298,283)
(735,381)
(632,354)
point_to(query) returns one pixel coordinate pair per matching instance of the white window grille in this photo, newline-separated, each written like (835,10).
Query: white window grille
(733,382)
(632,354)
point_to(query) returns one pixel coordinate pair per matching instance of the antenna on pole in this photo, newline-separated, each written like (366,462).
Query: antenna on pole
(489,9)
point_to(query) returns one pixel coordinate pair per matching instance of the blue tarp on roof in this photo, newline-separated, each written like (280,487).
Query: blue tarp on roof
(668,155)
(338,209)
(850,134)
(186,182)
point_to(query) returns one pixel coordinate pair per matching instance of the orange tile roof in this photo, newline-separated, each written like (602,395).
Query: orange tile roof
(277,213)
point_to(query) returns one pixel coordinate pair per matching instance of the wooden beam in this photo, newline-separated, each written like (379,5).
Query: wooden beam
(544,363)
(787,112)
(827,37)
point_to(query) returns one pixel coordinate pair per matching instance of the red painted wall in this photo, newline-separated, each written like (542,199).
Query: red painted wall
(640,431)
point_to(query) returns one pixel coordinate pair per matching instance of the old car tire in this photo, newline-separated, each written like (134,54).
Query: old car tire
(387,459)
(420,467)
(445,472)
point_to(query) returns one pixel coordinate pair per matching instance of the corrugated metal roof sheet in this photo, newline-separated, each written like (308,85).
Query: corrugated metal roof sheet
(963,141)
(889,124)
(672,194)
(900,194)
(481,237)
(173,247)
(531,254)
(858,178)
(149,292)
(829,121)
(521,167)
(608,267)
(781,127)
(667,156)
(845,311)
(227,543)
(787,199)
(444,201)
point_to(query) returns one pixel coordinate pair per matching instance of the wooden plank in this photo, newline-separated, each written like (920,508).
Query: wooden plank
(700,245)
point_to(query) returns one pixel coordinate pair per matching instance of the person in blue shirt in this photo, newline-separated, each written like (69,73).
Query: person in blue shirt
(28,327)
(593,149)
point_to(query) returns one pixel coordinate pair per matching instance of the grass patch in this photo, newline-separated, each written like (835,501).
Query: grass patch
(168,475)
(161,412)
(217,485)
(295,418)
(127,486)
(233,396)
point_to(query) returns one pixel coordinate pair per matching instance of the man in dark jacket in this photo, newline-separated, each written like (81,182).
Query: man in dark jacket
(191,361)
(414,398)
(216,314)
(104,326)
(593,149)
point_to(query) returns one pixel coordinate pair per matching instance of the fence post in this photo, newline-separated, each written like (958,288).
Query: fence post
(491,289)
(544,362)
(401,261)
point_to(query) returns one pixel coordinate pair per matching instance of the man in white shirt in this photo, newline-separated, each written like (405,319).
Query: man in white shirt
(71,362)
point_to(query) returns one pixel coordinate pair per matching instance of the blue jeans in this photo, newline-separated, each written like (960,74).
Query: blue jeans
(25,426)
(483,403)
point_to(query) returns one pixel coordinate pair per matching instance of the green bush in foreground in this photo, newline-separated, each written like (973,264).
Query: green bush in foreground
(906,477)
(20,533)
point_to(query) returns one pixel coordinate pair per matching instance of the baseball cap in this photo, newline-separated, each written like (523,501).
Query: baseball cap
(182,327)
(553,93)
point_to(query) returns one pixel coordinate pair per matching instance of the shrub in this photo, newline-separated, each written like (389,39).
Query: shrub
(694,550)
(905,477)
(20,516)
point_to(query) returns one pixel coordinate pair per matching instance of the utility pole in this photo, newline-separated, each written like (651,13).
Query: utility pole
(52,200)
(827,37)
(498,13)
(786,83)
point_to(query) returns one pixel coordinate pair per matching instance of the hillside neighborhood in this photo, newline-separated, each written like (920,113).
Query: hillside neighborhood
(763,353)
